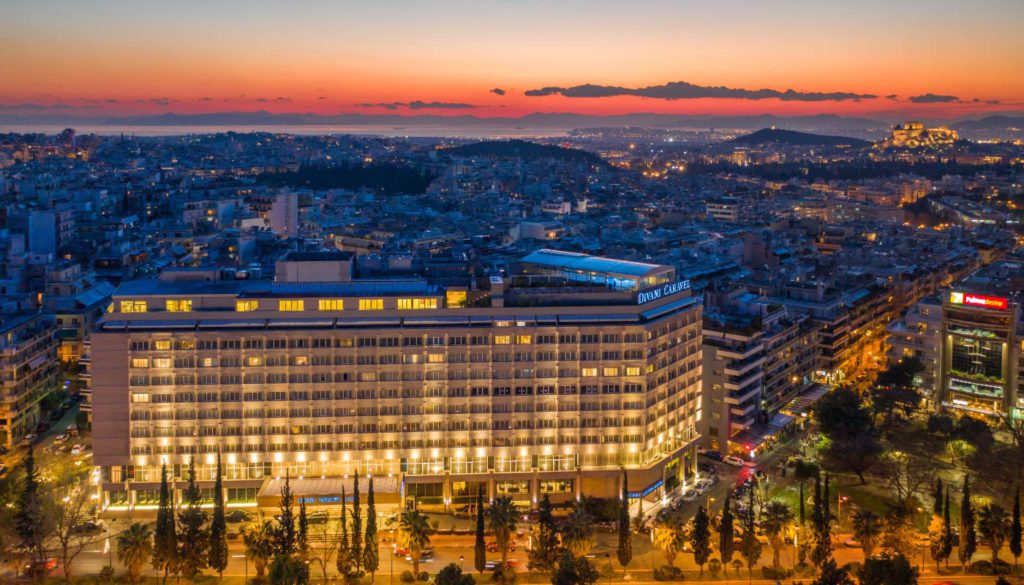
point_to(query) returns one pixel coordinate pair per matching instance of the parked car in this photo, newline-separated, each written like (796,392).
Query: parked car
(467,511)
(426,556)
(28,439)
(237,516)
(40,568)
(89,527)
(493,564)
(492,546)
(733,460)
(317,517)
(704,483)
(851,543)
(713,455)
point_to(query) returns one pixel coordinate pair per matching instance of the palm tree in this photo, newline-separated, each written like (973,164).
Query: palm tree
(501,519)
(994,525)
(578,531)
(414,535)
(134,548)
(775,521)
(670,534)
(259,545)
(867,529)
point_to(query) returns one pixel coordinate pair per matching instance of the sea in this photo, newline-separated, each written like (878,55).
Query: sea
(414,131)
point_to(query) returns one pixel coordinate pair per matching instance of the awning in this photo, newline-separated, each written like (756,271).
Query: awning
(326,490)
(801,405)
(781,420)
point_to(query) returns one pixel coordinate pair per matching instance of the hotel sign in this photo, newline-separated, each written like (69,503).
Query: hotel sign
(983,301)
(653,294)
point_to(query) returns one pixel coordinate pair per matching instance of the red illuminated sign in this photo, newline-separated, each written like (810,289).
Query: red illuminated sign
(984,301)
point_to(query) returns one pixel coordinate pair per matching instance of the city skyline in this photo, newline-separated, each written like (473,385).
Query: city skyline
(793,58)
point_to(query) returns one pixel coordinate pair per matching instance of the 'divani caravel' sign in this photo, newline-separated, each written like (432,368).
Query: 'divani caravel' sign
(661,291)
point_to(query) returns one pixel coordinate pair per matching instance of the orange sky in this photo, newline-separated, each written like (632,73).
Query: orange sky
(141,56)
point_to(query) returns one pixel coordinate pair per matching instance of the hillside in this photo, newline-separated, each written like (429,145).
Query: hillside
(794,138)
(524,150)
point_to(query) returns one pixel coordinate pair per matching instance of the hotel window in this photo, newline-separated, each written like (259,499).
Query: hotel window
(331,304)
(632,371)
(161,363)
(524,339)
(179,306)
(611,371)
(435,358)
(254,361)
(291,305)
(133,306)
(162,344)
(417,303)
(371,304)
(455,299)
(502,339)
(137,397)
(140,363)
(246,306)
(588,372)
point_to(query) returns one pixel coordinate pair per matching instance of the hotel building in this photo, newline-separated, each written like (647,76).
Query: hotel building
(547,381)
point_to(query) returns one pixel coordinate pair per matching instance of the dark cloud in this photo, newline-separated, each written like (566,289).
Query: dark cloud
(156,101)
(32,106)
(681,90)
(892,96)
(931,98)
(321,98)
(418,105)
(111,101)
(498,91)
(988,102)
(283,99)
(206,99)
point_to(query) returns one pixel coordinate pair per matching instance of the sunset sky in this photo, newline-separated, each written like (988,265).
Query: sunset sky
(934,58)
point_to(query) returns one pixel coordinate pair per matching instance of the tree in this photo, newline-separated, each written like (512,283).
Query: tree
(574,570)
(831,574)
(624,551)
(134,548)
(260,545)
(750,546)
(1015,529)
(968,535)
(288,569)
(900,535)
(414,535)
(345,565)
(479,546)
(66,502)
(848,428)
(165,540)
(191,557)
(867,529)
(802,505)
(994,527)
(371,548)
(894,570)
(821,528)
(775,521)
(669,535)
(578,531)
(700,538)
(217,555)
(906,477)
(357,526)
(935,539)
(452,575)
(546,550)
(501,519)
(946,548)
(302,536)
(937,498)
(28,515)
(323,544)
(726,531)
(285,532)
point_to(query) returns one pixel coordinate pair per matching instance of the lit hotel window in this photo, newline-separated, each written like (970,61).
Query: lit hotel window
(291,306)
(133,306)
(524,339)
(331,305)
(589,372)
(435,358)
(140,397)
(633,371)
(162,344)
(611,371)
(246,306)
(417,303)
(179,306)
(455,299)
(161,363)
(140,363)
(502,340)
(371,304)
(254,361)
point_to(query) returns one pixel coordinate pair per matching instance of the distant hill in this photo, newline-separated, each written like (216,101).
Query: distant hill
(991,123)
(524,150)
(794,138)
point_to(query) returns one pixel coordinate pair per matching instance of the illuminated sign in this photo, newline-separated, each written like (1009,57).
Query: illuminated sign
(983,301)
(653,294)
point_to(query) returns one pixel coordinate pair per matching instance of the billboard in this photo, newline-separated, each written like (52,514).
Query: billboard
(974,300)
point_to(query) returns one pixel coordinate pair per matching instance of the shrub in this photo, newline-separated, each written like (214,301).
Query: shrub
(407,577)
(715,566)
(107,574)
(423,576)
(668,573)
(771,573)
(985,567)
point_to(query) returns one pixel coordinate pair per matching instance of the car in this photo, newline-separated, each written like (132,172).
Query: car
(493,564)
(41,567)
(704,483)
(28,439)
(60,438)
(712,455)
(851,543)
(88,527)
(426,555)
(237,516)
(42,426)
(467,511)
(317,517)
(76,450)
(492,546)
(733,460)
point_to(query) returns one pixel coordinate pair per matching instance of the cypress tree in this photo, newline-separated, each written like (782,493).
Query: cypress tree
(802,498)
(624,552)
(217,556)
(285,542)
(371,552)
(357,526)
(28,514)
(191,539)
(937,497)
(302,539)
(479,547)
(700,539)
(947,532)
(165,539)
(546,551)
(344,560)
(968,530)
(1015,529)
(726,532)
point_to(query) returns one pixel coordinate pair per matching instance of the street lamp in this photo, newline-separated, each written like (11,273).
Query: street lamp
(461,558)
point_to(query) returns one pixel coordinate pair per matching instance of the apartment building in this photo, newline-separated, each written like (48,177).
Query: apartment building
(28,371)
(549,383)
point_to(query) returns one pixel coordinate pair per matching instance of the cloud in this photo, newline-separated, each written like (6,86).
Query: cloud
(32,106)
(283,99)
(681,90)
(498,91)
(988,102)
(418,105)
(206,99)
(931,98)
(156,101)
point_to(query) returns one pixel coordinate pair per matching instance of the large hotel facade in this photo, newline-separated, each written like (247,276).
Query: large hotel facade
(548,380)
